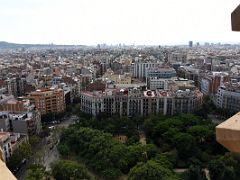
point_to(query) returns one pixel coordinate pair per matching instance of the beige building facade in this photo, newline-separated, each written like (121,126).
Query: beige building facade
(49,100)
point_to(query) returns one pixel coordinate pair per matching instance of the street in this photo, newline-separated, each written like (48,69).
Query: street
(216,119)
(50,156)
(44,152)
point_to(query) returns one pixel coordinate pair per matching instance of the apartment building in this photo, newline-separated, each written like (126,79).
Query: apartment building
(161,72)
(5,145)
(117,78)
(49,100)
(177,57)
(4,121)
(211,82)
(158,77)
(12,86)
(28,123)
(10,104)
(191,73)
(140,68)
(157,83)
(133,101)
(228,96)
(25,122)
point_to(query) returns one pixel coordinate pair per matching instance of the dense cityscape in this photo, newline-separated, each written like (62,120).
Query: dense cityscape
(117,110)
(155,107)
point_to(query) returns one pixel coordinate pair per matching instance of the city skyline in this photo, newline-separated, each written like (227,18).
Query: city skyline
(136,22)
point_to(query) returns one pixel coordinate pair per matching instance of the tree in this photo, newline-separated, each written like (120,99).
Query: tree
(98,150)
(138,121)
(68,170)
(224,168)
(196,173)
(207,107)
(150,123)
(150,170)
(163,161)
(63,149)
(185,145)
(140,153)
(216,169)
(36,172)
(202,133)
(229,173)
(133,140)
(34,140)
(24,151)
(39,157)
(168,136)
(182,140)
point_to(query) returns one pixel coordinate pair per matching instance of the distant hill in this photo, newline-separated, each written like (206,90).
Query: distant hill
(7,45)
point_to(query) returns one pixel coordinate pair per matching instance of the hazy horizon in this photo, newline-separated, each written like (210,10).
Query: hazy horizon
(142,22)
(186,43)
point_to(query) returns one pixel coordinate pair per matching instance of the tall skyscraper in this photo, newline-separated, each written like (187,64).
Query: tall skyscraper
(190,44)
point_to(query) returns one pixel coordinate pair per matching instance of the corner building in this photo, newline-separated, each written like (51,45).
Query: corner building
(134,101)
(49,100)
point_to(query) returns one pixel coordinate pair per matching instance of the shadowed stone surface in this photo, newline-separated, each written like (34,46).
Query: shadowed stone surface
(236,19)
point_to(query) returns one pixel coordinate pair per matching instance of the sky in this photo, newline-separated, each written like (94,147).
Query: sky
(139,22)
